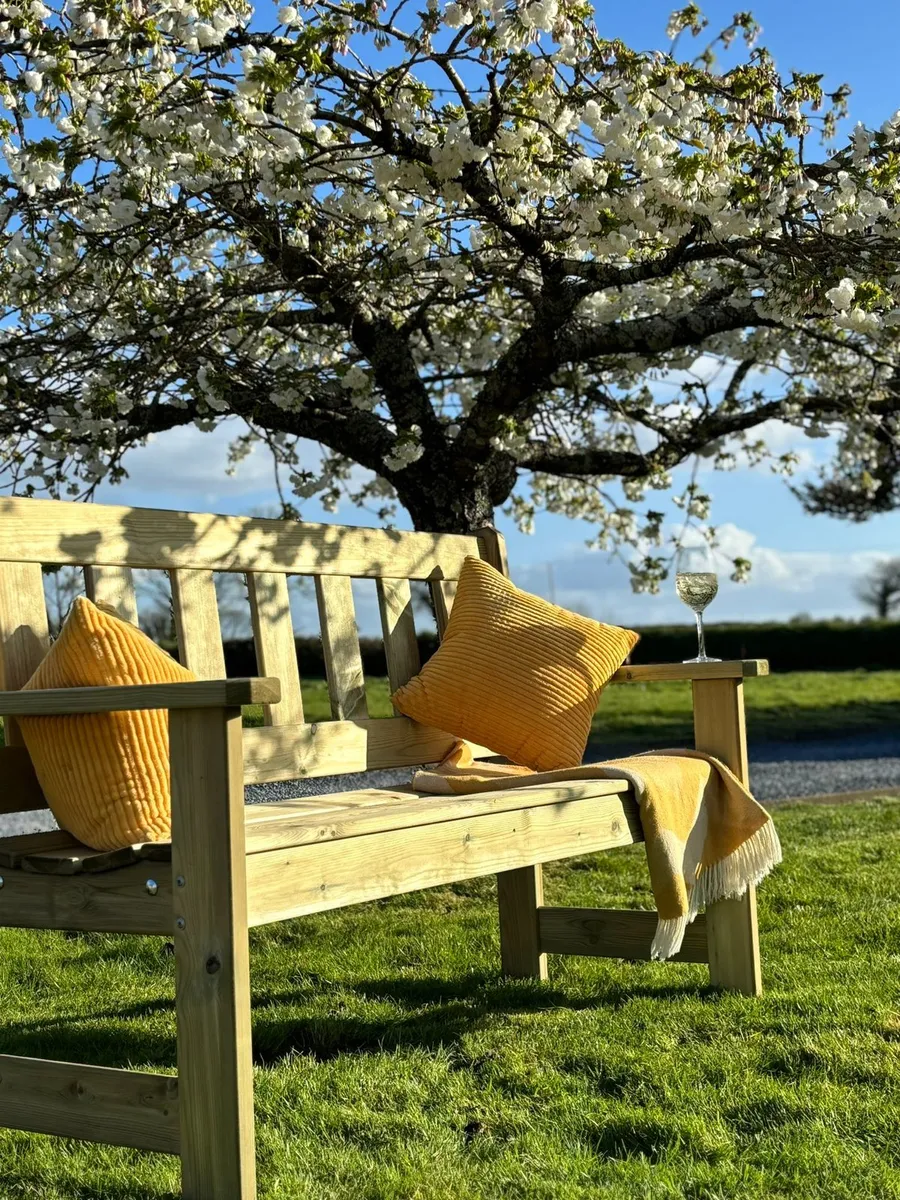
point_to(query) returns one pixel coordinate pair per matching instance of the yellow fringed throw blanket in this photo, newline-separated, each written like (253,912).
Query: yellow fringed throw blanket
(706,837)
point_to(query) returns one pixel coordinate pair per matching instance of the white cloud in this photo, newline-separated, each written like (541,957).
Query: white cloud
(781,438)
(186,467)
(778,436)
(705,368)
(815,573)
(716,373)
(782,584)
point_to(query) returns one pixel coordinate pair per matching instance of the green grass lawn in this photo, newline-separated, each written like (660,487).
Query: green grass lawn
(801,704)
(787,707)
(394,1063)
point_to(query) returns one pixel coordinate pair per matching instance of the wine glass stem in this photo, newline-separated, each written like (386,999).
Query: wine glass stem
(701,643)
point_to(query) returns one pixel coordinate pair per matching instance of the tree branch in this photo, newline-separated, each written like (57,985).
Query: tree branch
(385,346)
(659,333)
(527,368)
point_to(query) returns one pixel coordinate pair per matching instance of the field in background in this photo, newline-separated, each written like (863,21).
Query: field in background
(790,707)
(395,1062)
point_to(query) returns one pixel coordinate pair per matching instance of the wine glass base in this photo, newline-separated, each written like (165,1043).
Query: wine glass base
(703,658)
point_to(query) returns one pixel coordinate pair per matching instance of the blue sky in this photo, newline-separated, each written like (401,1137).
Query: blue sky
(801,563)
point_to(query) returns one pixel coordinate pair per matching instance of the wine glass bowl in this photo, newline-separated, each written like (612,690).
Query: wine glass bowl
(696,585)
(696,589)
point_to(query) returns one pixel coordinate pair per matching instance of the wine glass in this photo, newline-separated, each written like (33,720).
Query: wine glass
(696,585)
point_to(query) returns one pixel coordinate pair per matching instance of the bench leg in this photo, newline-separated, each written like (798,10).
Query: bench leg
(212,976)
(520,894)
(720,730)
(733,941)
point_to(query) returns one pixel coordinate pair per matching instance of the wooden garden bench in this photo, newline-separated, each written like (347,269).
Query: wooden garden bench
(228,867)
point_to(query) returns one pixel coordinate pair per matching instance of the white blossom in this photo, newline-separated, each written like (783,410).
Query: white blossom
(456,15)
(355,378)
(841,296)
(523,245)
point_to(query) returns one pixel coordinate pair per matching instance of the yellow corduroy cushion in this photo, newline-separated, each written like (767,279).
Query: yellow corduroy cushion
(105,775)
(515,673)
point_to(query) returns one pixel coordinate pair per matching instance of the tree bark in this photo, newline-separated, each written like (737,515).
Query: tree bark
(443,493)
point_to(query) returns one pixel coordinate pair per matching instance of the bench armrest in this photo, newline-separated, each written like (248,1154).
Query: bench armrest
(653,672)
(204,693)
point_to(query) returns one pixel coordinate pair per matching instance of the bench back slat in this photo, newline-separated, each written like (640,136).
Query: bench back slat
(493,549)
(338,747)
(113,587)
(197,623)
(340,646)
(398,625)
(276,652)
(110,543)
(61,531)
(24,640)
(24,632)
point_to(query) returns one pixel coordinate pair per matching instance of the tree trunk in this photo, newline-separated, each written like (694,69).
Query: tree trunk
(442,496)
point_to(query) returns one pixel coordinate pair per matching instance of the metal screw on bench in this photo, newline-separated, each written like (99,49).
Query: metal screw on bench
(179,882)
(1,881)
(152,887)
(179,924)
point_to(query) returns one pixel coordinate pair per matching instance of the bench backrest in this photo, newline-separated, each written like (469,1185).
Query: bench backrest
(109,542)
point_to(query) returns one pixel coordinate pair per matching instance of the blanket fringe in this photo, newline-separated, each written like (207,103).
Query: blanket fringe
(668,937)
(743,868)
(724,880)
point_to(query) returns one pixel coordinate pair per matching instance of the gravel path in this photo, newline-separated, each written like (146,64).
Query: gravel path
(781,771)
(784,770)
(778,771)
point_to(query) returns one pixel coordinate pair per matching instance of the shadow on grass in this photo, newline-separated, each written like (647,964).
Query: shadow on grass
(654,1140)
(34,1183)
(88,1038)
(757,1117)
(431,1013)
(616,1081)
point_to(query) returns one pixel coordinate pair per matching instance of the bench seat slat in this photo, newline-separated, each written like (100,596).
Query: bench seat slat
(80,859)
(56,852)
(314,819)
(296,880)
(16,848)
(272,826)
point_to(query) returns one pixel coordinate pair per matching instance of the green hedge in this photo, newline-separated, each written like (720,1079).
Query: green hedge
(240,656)
(797,646)
(794,646)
